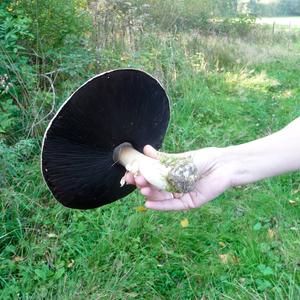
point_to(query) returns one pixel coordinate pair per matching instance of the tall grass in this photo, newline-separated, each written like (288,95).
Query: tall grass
(224,90)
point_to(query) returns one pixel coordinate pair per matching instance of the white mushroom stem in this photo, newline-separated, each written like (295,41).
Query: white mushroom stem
(172,173)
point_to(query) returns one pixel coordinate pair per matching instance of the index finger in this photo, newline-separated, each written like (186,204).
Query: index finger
(129,178)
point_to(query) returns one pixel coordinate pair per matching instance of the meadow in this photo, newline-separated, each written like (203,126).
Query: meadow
(224,90)
(287,21)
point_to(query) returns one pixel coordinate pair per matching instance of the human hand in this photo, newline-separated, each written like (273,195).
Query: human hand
(222,168)
(214,180)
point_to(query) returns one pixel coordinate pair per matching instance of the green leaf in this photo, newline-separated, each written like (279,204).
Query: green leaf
(59,273)
(257,226)
(41,273)
(263,284)
(265,270)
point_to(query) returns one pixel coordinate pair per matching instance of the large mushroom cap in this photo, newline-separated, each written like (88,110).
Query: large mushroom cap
(112,108)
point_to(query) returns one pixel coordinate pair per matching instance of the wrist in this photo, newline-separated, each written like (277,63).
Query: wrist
(217,161)
(257,160)
(239,165)
(266,157)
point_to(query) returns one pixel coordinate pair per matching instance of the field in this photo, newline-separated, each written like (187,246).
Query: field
(243,245)
(286,21)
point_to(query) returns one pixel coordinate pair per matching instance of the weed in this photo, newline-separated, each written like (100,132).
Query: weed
(224,90)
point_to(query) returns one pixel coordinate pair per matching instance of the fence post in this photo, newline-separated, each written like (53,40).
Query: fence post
(273,31)
(290,36)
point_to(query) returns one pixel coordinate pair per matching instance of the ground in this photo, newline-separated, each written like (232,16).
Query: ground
(243,245)
(288,21)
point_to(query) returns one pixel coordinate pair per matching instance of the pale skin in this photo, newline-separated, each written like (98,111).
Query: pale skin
(223,168)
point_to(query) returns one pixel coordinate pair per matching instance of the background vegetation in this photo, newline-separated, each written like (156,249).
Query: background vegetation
(229,80)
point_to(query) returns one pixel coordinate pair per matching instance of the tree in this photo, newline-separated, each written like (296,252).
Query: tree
(289,8)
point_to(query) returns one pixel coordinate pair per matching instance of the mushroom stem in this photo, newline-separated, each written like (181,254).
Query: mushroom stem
(173,173)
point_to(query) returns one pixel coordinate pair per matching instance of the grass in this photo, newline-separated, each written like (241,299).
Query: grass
(285,21)
(243,245)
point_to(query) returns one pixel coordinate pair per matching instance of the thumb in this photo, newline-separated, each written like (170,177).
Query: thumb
(153,153)
(150,151)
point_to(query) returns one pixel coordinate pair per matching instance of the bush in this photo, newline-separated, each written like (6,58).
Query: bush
(238,26)
(36,43)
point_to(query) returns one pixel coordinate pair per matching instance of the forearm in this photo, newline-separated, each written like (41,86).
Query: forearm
(266,157)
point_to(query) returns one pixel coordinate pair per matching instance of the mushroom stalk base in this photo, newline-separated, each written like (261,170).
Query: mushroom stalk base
(170,172)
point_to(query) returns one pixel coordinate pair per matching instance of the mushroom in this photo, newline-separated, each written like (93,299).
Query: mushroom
(101,130)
